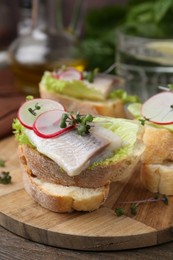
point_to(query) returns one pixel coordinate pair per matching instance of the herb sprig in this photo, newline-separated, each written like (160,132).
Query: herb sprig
(80,122)
(33,111)
(135,204)
(90,75)
(5,177)
(2,163)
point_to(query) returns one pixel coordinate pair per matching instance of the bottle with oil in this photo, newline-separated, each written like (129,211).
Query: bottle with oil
(48,46)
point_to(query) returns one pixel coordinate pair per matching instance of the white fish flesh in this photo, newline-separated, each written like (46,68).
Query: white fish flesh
(103,83)
(70,151)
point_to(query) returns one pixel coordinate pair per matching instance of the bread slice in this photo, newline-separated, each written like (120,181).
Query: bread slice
(59,198)
(44,168)
(158,178)
(112,108)
(158,145)
(157,160)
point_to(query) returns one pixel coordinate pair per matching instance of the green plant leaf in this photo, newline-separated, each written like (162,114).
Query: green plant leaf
(160,8)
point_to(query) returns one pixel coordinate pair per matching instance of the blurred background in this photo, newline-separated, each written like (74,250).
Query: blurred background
(95,27)
(134,35)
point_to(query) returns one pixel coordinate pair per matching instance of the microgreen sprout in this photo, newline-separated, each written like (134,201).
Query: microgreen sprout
(89,75)
(119,211)
(32,111)
(5,177)
(80,122)
(168,88)
(2,163)
(142,120)
(135,204)
(133,208)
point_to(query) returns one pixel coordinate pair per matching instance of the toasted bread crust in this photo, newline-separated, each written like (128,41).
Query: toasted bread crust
(112,108)
(157,160)
(158,178)
(46,169)
(159,145)
(66,202)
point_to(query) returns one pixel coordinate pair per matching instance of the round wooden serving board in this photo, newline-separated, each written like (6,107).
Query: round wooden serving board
(97,230)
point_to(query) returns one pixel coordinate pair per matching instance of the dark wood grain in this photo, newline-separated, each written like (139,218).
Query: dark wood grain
(10,100)
(13,247)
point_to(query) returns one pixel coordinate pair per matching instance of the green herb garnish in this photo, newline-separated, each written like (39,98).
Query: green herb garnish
(89,75)
(32,111)
(135,204)
(19,132)
(119,211)
(80,122)
(5,178)
(133,208)
(2,163)
(143,120)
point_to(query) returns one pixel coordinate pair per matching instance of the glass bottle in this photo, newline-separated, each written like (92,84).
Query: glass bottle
(49,45)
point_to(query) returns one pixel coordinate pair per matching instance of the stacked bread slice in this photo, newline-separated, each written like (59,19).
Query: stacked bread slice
(157,160)
(54,189)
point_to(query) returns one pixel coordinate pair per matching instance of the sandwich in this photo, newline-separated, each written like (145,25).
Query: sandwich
(68,160)
(87,92)
(157,159)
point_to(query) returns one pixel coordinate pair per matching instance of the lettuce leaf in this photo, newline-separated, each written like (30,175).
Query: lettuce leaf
(19,133)
(127,130)
(74,88)
(78,89)
(121,94)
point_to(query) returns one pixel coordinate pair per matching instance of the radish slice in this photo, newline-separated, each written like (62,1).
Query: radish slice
(70,74)
(31,109)
(47,125)
(159,108)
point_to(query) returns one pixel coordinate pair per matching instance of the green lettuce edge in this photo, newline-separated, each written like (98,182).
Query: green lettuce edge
(127,130)
(58,86)
(19,132)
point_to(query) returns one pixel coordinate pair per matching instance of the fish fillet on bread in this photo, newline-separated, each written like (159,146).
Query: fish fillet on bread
(81,95)
(71,172)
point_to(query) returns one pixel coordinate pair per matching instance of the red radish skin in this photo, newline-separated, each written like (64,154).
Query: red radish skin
(27,119)
(68,74)
(25,125)
(158,110)
(60,132)
(47,125)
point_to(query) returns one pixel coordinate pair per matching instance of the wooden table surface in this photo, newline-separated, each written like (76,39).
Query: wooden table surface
(14,247)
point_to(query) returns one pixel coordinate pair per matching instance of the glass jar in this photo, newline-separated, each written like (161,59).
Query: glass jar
(49,45)
(144,63)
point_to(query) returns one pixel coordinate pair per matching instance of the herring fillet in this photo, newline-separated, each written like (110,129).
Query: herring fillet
(70,151)
(102,83)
